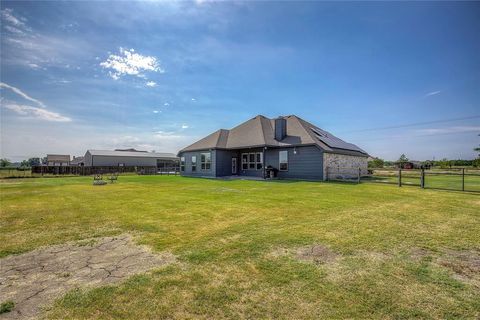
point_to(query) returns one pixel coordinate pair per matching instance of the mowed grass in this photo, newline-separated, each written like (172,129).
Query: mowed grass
(433,180)
(388,241)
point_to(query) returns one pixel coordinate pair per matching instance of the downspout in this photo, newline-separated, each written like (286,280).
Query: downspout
(263,164)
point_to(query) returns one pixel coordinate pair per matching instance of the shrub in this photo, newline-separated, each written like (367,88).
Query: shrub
(6,306)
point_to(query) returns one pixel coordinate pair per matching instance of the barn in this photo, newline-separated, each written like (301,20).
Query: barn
(122,158)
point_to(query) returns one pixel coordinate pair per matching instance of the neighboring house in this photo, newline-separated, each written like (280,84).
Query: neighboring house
(77,161)
(289,145)
(58,160)
(110,158)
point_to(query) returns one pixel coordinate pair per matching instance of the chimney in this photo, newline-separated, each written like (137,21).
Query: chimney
(280,128)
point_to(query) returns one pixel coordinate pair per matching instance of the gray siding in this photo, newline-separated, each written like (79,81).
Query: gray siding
(199,173)
(113,161)
(224,162)
(88,159)
(126,161)
(306,164)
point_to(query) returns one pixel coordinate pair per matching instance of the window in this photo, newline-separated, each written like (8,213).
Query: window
(205,160)
(244,161)
(182,163)
(283,160)
(259,161)
(194,163)
(252,161)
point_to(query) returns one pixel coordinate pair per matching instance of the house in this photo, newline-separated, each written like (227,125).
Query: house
(109,158)
(58,160)
(289,146)
(78,161)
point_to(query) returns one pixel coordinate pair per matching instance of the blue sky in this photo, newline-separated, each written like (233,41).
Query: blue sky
(390,77)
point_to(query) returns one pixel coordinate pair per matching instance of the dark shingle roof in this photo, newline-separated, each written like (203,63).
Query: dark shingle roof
(260,131)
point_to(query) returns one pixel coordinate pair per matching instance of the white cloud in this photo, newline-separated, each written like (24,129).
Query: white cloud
(14,30)
(166,104)
(432,93)
(156,111)
(447,130)
(151,84)
(193,99)
(8,16)
(184,126)
(130,63)
(22,94)
(35,112)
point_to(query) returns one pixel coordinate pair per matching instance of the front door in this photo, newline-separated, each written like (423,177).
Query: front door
(234,165)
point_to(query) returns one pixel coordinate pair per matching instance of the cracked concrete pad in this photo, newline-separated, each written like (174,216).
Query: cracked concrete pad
(34,279)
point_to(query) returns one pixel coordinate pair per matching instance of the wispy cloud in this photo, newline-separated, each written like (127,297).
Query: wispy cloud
(26,110)
(22,94)
(9,17)
(35,112)
(24,46)
(130,63)
(185,126)
(151,84)
(446,130)
(432,93)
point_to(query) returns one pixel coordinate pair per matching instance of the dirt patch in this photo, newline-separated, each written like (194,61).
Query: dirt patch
(319,254)
(418,254)
(34,279)
(464,264)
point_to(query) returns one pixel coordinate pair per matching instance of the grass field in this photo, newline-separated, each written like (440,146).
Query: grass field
(433,179)
(393,253)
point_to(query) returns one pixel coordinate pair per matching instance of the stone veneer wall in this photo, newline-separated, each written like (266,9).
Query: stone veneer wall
(344,166)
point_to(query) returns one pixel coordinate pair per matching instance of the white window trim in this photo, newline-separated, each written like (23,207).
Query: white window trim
(248,162)
(194,164)
(182,164)
(204,164)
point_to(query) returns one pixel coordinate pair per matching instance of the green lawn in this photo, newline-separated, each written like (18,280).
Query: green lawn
(433,179)
(389,244)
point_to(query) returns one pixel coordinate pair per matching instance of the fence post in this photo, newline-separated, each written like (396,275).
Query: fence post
(463,179)
(359,175)
(399,177)
(422,179)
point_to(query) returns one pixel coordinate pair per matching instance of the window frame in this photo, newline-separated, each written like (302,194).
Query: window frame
(194,163)
(252,161)
(280,162)
(259,163)
(182,163)
(205,165)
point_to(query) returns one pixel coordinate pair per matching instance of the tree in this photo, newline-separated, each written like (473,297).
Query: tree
(403,158)
(5,163)
(33,162)
(376,163)
(24,164)
(477,149)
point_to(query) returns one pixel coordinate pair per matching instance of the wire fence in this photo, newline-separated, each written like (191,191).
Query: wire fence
(459,179)
(52,171)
